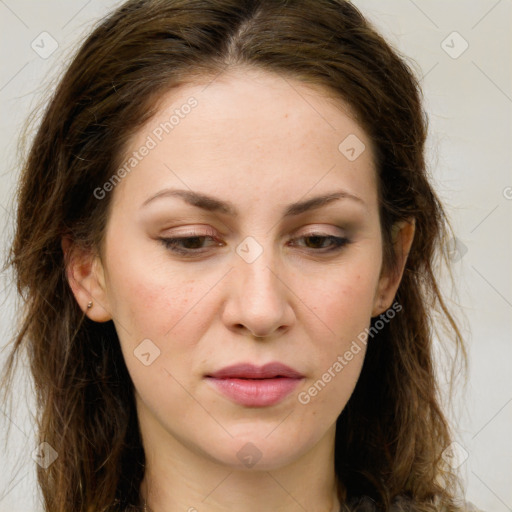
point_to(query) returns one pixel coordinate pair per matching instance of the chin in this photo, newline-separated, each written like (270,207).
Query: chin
(257,452)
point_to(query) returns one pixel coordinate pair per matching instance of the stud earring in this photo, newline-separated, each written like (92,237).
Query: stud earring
(89,304)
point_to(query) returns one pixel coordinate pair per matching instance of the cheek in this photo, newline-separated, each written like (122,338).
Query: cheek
(343,304)
(147,298)
(347,314)
(345,299)
(154,314)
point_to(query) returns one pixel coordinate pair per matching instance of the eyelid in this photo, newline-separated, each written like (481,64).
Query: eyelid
(336,231)
(337,243)
(207,231)
(192,232)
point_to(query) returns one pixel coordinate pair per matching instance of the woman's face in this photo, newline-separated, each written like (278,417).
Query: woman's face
(265,272)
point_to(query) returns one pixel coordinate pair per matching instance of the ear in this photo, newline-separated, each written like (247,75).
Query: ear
(403,235)
(86,278)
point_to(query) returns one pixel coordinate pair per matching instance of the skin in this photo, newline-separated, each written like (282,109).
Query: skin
(261,142)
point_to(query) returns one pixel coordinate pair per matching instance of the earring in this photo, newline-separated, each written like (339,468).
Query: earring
(89,304)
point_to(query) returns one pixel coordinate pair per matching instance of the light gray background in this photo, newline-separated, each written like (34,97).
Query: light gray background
(469,101)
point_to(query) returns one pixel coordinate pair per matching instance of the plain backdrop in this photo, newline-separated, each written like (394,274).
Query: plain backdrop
(462,52)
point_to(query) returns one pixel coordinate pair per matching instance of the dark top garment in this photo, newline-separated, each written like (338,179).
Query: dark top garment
(400,504)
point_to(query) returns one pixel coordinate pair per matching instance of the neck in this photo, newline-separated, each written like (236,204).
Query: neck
(336,507)
(179,479)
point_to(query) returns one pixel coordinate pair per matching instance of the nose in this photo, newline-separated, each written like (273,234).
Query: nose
(258,297)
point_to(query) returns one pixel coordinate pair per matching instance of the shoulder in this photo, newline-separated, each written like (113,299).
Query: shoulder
(400,504)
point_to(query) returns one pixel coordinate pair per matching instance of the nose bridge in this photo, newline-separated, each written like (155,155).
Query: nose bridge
(259,298)
(255,267)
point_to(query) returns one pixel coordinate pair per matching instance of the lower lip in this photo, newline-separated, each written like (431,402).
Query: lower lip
(255,392)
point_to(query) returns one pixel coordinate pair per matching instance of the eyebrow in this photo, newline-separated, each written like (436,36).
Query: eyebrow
(213,204)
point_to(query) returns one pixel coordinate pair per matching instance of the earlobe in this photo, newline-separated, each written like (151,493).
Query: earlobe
(402,235)
(85,277)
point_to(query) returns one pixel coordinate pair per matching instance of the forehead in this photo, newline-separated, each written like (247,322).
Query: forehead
(251,133)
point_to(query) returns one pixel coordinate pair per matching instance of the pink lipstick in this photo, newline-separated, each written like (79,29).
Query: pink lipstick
(253,386)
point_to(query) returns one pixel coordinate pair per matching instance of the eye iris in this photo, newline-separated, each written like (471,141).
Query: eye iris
(194,242)
(316,240)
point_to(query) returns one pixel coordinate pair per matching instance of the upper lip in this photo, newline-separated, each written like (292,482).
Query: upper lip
(250,371)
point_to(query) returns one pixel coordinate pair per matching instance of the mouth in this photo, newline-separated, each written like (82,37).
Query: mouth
(253,386)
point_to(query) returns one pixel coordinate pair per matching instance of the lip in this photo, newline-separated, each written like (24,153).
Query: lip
(250,371)
(255,386)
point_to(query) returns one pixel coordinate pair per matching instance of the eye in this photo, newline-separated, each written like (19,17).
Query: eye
(319,242)
(191,244)
(194,243)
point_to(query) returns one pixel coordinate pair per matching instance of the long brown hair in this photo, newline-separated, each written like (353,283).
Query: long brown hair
(391,435)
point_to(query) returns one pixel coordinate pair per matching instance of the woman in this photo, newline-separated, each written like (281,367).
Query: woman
(225,240)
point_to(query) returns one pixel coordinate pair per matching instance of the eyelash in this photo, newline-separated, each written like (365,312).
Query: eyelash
(171,244)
